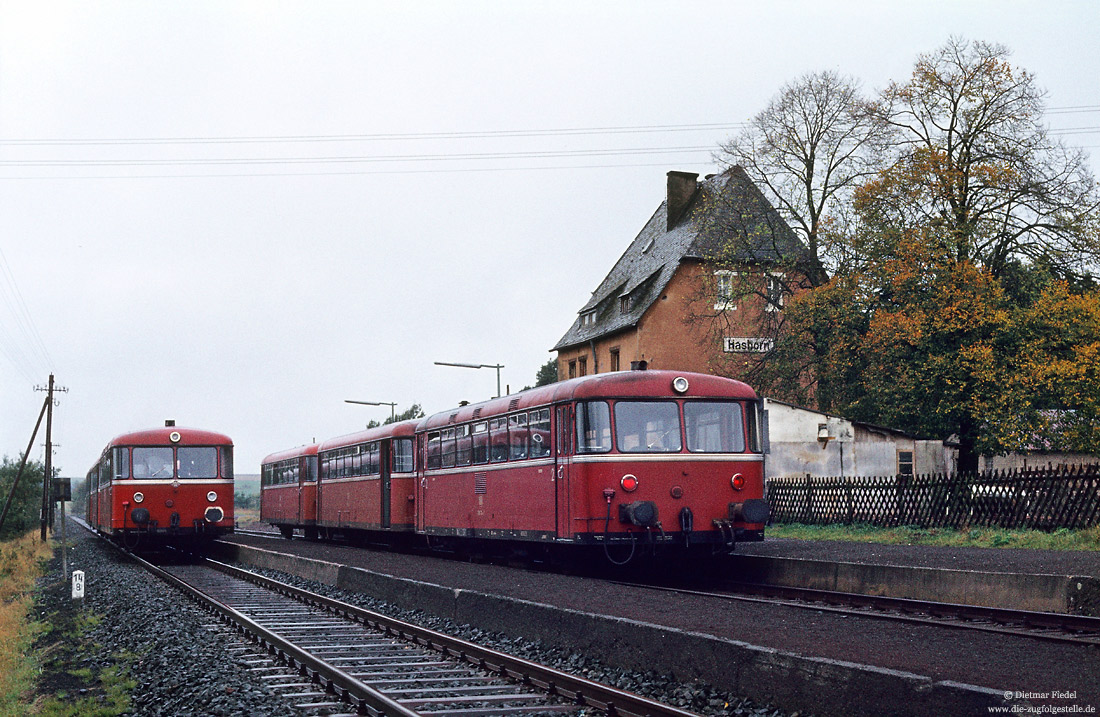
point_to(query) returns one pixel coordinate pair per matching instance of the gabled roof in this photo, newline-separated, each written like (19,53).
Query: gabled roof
(726,211)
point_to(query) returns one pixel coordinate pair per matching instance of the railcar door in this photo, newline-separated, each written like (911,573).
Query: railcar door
(562,468)
(385,468)
(307,491)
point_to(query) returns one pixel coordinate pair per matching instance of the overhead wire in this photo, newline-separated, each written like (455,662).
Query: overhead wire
(21,341)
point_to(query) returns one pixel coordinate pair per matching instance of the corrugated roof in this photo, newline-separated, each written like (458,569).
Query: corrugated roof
(726,211)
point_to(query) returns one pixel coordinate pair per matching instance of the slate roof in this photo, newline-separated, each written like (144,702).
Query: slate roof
(727,210)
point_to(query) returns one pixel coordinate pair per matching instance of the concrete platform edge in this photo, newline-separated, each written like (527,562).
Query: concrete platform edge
(1021,591)
(787,680)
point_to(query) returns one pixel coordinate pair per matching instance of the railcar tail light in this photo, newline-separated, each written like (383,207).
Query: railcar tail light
(629,483)
(737,481)
(211,496)
(138,497)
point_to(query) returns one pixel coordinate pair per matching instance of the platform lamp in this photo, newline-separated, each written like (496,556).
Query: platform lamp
(497,366)
(393,406)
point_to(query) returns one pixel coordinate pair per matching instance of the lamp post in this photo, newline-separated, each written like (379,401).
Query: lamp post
(497,366)
(393,406)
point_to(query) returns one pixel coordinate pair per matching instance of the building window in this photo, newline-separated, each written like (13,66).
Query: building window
(582,366)
(615,359)
(588,318)
(572,369)
(905,463)
(624,303)
(723,285)
(775,292)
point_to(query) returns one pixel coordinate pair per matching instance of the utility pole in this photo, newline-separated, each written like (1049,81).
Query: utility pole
(48,477)
(23,464)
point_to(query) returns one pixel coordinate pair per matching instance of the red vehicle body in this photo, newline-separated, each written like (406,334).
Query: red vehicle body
(616,460)
(164,485)
(288,490)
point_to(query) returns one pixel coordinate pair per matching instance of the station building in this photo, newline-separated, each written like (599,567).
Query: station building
(696,290)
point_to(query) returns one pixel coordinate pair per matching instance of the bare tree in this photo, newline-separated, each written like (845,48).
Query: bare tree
(816,141)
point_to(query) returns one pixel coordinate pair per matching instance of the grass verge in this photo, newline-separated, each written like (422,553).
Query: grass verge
(1061,539)
(22,561)
(49,666)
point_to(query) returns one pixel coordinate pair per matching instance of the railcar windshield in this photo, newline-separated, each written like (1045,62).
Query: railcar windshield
(714,427)
(153,462)
(593,427)
(647,426)
(197,462)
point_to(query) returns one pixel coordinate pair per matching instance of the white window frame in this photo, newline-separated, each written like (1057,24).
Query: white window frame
(776,278)
(726,277)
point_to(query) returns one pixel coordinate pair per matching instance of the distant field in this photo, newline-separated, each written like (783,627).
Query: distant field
(247,484)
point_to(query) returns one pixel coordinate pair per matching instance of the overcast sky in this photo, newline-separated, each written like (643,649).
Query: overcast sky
(238,215)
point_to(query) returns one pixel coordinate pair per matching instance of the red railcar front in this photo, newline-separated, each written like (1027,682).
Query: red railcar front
(163,485)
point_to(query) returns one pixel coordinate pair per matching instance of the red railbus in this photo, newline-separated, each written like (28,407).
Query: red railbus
(620,460)
(164,485)
(614,463)
(368,480)
(288,490)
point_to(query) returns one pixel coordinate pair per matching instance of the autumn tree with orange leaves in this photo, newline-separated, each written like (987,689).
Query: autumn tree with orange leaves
(962,300)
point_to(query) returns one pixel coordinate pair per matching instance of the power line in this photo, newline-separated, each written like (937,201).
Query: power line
(453,170)
(389,136)
(350,159)
(24,348)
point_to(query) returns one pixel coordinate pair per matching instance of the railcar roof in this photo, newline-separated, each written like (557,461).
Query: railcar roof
(310,450)
(618,384)
(161,436)
(390,430)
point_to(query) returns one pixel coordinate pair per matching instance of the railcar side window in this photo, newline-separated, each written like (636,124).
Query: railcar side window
(464,445)
(714,427)
(481,442)
(432,451)
(498,439)
(197,462)
(121,463)
(647,426)
(155,462)
(311,469)
(374,459)
(449,448)
(539,426)
(403,455)
(593,427)
(517,430)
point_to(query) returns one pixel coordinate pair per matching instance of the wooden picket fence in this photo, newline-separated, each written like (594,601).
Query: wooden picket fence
(1043,500)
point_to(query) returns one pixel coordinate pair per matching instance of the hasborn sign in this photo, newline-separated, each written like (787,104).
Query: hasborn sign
(745,345)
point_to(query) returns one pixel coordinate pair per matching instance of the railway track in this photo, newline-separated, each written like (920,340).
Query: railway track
(1054,627)
(328,656)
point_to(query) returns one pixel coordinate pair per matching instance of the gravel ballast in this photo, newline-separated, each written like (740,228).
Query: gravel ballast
(183,662)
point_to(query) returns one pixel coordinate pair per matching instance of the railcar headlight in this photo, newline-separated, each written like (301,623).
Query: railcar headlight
(138,497)
(211,496)
(174,436)
(680,384)
(737,481)
(629,483)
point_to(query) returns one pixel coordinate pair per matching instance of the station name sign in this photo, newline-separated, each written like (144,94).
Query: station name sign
(744,345)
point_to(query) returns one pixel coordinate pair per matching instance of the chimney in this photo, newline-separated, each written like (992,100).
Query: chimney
(681,188)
